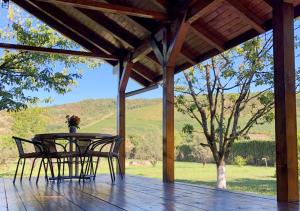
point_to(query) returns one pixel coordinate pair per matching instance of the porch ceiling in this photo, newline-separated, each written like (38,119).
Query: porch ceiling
(113,27)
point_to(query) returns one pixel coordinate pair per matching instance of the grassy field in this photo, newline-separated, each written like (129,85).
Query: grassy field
(253,179)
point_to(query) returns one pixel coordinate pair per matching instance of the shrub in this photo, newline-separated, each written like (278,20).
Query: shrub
(240,161)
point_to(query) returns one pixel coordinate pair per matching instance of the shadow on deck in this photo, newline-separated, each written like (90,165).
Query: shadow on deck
(132,193)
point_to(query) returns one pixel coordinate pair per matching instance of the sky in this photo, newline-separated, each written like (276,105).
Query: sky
(94,84)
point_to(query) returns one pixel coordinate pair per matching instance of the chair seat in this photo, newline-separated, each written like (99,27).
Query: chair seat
(64,154)
(101,154)
(32,155)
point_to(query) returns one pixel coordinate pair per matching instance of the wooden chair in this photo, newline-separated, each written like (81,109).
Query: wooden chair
(40,153)
(114,144)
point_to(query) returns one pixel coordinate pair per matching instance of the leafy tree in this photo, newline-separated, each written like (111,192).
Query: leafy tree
(23,73)
(218,92)
(27,123)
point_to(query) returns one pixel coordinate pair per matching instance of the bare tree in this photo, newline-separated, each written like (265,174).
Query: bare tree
(218,92)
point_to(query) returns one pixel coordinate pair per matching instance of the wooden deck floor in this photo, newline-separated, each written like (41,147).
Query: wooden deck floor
(133,193)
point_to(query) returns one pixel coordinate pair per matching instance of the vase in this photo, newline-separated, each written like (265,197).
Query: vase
(72,129)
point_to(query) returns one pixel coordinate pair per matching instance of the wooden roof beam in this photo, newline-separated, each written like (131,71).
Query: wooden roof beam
(57,51)
(145,72)
(142,50)
(247,15)
(75,26)
(139,79)
(125,76)
(200,8)
(111,8)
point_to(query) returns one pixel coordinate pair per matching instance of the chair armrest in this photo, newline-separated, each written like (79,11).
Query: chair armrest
(38,144)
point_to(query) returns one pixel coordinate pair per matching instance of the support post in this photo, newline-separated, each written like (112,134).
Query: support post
(171,47)
(285,102)
(121,117)
(168,124)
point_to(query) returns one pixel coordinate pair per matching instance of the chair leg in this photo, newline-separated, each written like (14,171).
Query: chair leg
(111,175)
(38,175)
(45,169)
(64,160)
(16,171)
(95,172)
(23,169)
(120,169)
(51,167)
(112,168)
(32,168)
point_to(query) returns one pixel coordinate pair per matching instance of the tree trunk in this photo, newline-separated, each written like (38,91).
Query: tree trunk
(221,177)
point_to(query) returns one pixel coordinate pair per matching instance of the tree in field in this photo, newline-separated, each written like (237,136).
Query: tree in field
(23,73)
(221,92)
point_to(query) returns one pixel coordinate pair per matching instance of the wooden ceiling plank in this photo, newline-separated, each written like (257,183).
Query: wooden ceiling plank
(208,37)
(200,8)
(115,29)
(188,54)
(57,51)
(111,8)
(247,15)
(75,26)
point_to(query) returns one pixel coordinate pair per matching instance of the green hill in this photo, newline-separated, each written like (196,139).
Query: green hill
(143,117)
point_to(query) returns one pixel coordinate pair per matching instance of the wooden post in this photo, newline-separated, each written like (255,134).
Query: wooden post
(168,124)
(170,51)
(121,117)
(285,102)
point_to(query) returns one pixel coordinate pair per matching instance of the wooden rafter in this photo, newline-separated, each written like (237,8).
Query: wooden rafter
(75,26)
(188,52)
(59,27)
(57,51)
(139,79)
(145,72)
(111,8)
(247,15)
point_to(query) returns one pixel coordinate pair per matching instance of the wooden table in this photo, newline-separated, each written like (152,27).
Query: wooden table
(70,137)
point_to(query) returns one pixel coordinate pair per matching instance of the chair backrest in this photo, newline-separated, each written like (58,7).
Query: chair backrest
(117,144)
(19,145)
(83,144)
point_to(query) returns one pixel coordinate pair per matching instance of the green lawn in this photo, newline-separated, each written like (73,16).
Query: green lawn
(245,179)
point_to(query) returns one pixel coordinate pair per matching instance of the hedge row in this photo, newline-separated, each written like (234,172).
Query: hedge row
(255,152)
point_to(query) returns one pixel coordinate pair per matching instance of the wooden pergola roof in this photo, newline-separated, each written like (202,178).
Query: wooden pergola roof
(113,28)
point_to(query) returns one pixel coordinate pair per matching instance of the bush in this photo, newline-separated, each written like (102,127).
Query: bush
(240,161)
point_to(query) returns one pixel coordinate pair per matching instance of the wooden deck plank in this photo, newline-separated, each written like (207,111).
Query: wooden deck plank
(71,190)
(14,201)
(3,199)
(132,193)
